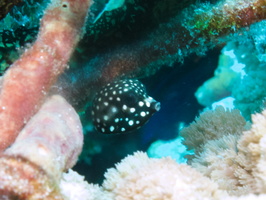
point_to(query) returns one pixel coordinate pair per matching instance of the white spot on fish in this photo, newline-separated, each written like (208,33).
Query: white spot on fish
(131,122)
(142,114)
(112,128)
(114,109)
(132,110)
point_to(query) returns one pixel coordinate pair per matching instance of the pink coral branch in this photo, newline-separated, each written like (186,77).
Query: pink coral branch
(28,80)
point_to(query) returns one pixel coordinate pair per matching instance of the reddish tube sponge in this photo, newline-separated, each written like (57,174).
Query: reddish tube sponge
(22,179)
(29,79)
(48,145)
(52,139)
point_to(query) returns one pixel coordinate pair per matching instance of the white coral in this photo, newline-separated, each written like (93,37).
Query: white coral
(74,187)
(138,177)
(228,165)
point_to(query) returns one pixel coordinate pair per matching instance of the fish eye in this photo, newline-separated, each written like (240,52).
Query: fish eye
(130,99)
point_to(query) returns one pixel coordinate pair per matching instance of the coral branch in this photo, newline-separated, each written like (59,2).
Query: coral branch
(26,83)
(228,16)
(194,28)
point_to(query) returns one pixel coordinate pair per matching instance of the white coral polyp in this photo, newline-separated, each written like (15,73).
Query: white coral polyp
(141,178)
(74,187)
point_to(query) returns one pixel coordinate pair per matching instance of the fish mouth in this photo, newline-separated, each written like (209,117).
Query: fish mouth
(157,106)
(153,104)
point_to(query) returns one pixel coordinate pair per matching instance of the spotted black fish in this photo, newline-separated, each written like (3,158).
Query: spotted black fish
(122,106)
